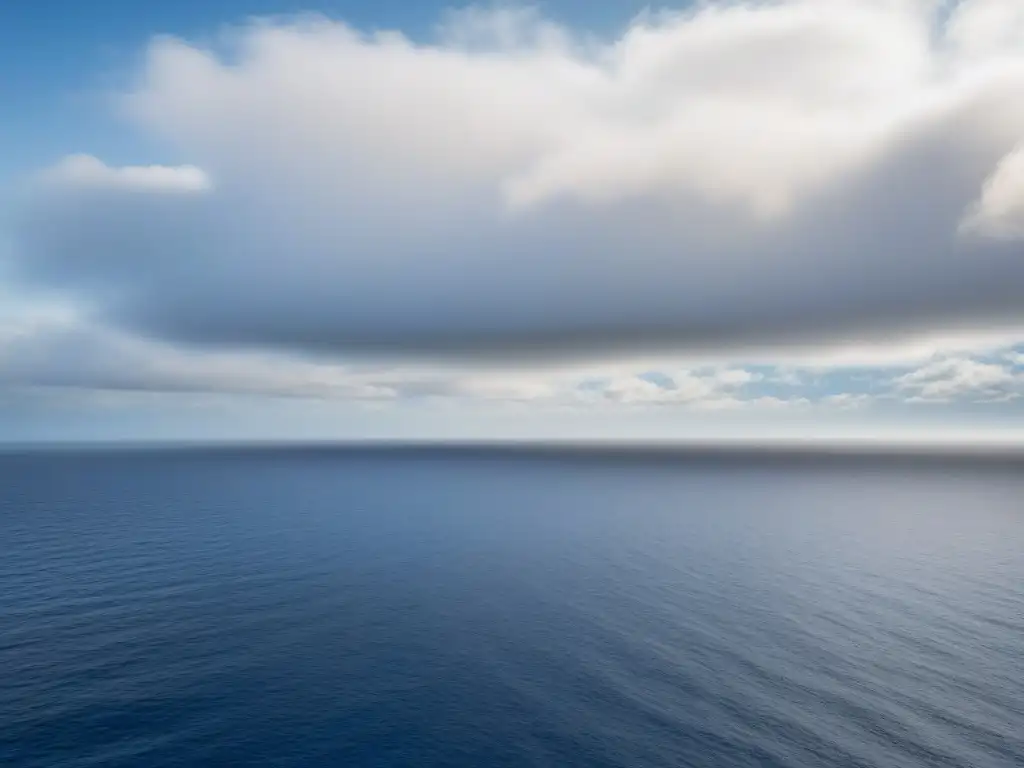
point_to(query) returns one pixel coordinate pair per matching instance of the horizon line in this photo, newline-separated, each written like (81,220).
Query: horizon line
(804,447)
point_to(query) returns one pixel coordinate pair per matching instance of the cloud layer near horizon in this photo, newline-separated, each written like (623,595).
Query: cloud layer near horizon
(730,175)
(57,351)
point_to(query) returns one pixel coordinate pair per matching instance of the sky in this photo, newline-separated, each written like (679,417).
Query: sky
(567,220)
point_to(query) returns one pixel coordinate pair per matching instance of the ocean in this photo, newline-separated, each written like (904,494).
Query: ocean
(484,607)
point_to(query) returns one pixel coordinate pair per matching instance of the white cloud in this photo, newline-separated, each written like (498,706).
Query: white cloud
(87,172)
(1000,210)
(723,104)
(987,28)
(735,377)
(848,400)
(795,364)
(767,402)
(894,351)
(731,174)
(947,379)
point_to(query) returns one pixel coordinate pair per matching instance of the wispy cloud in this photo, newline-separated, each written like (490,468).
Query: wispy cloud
(950,378)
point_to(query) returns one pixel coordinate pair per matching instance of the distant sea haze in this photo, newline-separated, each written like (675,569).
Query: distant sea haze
(510,605)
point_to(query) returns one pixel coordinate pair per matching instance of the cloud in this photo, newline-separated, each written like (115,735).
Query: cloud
(848,400)
(948,379)
(1000,210)
(703,388)
(736,174)
(984,28)
(83,172)
(58,350)
(882,351)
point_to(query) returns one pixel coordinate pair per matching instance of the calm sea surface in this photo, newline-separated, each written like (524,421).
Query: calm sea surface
(418,608)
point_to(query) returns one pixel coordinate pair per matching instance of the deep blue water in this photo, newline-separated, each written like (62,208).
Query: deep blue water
(322,608)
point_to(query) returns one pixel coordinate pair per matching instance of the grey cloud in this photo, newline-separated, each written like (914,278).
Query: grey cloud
(69,353)
(66,353)
(366,193)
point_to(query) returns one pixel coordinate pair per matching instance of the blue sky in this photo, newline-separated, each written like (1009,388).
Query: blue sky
(793,219)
